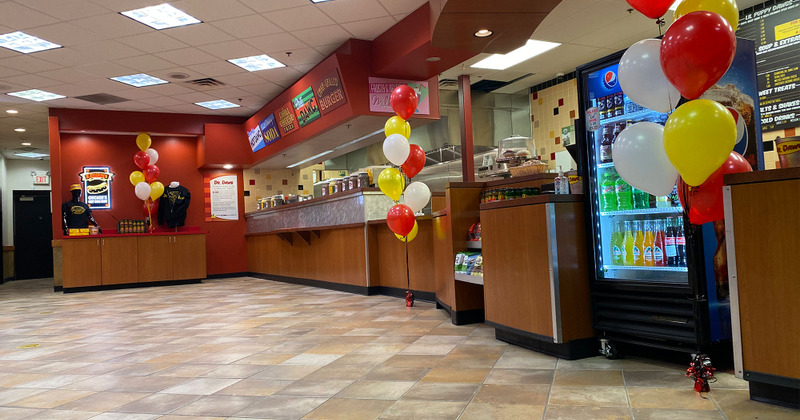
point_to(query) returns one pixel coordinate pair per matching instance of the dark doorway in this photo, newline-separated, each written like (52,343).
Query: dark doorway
(33,233)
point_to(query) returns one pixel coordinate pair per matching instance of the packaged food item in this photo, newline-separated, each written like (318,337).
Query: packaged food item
(469,262)
(477,269)
(459,265)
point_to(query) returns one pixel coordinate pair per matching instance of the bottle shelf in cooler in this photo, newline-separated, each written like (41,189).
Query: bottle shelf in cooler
(631,116)
(655,210)
(643,268)
(605,165)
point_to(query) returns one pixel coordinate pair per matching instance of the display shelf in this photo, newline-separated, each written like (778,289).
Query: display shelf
(655,210)
(643,268)
(630,116)
(467,278)
(474,245)
(605,165)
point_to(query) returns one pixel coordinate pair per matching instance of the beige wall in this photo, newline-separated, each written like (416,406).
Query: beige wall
(267,183)
(546,126)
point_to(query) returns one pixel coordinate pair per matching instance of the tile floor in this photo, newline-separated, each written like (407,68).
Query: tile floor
(250,348)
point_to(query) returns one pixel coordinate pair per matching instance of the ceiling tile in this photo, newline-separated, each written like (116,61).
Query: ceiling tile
(28,64)
(161,101)
(108,49)
(20,17)
(123,5)
(128,106)
(7,72)
(136,93)
(268,6)
(402,7)
(281,42)
(324,35)
(153,42)
(189,109)
(299,18)
(282,77)
(106,69)
(198,34)
(303,68)
(112,25)
(326,50)
(65,34)
(68,75)
(68,57)
(247,26)
(72,90)
(67,10)
(145,63)
(231,94)
(170,89)
(369,29)
(263,88)
(246,78)
(215,69)
(350,10)
(187,56)
(303,56)
(211,10)
(231,49)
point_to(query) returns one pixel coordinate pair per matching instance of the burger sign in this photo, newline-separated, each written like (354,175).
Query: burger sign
(97,185)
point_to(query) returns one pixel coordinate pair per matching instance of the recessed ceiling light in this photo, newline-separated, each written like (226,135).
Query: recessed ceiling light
(227,166)
(483,33)
(12,111)
(218,104)
(36,95)
(433,59)
(24,43)
(26,143)
(503,61)
(31,154)
(139,80)
(160,17)
(257,62)
(19,130)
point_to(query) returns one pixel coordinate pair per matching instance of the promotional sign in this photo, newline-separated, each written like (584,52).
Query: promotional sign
(568,134)
(256,138)
(330,93)
(602,84)
(287,122)
(305,107)
(776,32)
(269,130)
(97,186)
(380,91)
(222,197)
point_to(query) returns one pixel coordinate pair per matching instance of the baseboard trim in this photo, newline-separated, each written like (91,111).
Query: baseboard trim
(227,275)
(472,316)
(349,288)
(401,293)
(571,350)
(129,285)
(58,288)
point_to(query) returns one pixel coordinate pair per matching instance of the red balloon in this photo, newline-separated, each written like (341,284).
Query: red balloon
(150,207)
(415,162)
(151,173)
(400,219)
(141,159)
(696,52)
(404,101)
(704,202)
(653,9)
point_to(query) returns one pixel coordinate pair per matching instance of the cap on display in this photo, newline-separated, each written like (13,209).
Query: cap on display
(74,187)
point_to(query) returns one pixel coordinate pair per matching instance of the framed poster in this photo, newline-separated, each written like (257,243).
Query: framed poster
(222,197)
(96,182)
(380,91)
(305,107)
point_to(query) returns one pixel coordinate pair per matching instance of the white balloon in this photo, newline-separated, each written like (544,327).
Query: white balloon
(142,190)
(640,158)
(642,79)
(396,149)
(417,195)
(153,155)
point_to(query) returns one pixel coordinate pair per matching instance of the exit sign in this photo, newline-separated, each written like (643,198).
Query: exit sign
(41,180)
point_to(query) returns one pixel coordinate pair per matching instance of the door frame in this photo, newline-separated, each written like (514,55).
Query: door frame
(15,195)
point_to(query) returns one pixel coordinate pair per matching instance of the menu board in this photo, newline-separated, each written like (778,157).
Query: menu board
(305,107)
(776,31)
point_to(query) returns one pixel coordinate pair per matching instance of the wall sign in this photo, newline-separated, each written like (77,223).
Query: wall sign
(287,122)
(330,93)
(305,107)
(269,130)
(256,138)
(222,197)
(40,177)
(97,186)
(380,91)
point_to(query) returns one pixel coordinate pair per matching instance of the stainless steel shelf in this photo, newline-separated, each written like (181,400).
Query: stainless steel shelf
(474,245)
(656,210)
(642,268)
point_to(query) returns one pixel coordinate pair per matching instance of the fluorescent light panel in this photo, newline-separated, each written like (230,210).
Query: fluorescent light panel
(31,154)
(309,159)
(36,95)
(319,1)
(139,80)
(531,49)
(257,62)
(160,17)
(218,104)
(24,43)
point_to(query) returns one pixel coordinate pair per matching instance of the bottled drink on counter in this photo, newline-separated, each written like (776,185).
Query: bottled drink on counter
(638,243)
(624,196)
(627,241)
(670,248)
(680,243)
(608,194)
(649,243)
(617,245)
(658,246)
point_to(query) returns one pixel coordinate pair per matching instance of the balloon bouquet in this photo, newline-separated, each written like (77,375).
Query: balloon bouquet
(411,159)
(145,183)
(695,147)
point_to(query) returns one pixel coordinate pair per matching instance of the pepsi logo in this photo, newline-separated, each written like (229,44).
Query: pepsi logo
(610,80)
(741,132)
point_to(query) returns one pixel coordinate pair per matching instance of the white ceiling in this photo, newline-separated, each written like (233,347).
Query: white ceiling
(100,43)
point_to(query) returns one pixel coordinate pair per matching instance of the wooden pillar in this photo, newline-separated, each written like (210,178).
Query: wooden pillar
(465,117)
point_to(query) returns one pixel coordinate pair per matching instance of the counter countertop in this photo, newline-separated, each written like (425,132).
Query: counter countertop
(537,199)
(112,233)
(771,175)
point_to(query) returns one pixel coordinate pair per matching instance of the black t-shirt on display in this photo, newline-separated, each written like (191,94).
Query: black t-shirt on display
(77,214)
(173,206)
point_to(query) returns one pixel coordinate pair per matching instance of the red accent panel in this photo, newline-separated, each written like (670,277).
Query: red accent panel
(252,182)
(535,95)
(137,122)
(560,101)
(552,156)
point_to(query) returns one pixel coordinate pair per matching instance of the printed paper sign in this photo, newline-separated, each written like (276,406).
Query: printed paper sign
(224,198)
(380,92)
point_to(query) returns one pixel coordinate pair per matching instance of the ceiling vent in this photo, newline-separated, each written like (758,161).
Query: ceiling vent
(205,83)
(102,99)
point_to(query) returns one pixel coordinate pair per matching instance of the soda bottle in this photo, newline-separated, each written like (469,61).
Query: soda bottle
(649,242)
(606,144)
(618,101)
(609,106)
(641,199)
(617,245)
(670,250)
(608,193)
(624,198)
(662,201)
(638,243)
(680,244)
(601,107)
(673,197)
(627,241)
(658,246)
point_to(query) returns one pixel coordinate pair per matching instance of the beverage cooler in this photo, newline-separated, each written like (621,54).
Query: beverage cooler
(653,282)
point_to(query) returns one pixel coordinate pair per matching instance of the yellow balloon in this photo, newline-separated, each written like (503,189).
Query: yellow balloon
(391,183)
(397,125)
(143,141)
(725,8)
(136,177)
(156,189)
(411,235)
(698,138)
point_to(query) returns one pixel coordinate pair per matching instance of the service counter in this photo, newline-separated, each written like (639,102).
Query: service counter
(762,232)
(340,241)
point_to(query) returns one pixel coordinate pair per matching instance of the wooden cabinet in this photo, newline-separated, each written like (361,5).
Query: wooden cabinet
(119,263)
(189,256)
(177,257)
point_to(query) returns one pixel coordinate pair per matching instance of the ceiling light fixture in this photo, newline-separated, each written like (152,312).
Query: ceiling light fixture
(25,143)
(36,95)
(309,159)
(227,166)
(218,104)
(433,59)
(31,155)
(139,80)
(160,17)
(19,130)
(257,62)
(531,49)
(483,33)
(12,111)
(24,43)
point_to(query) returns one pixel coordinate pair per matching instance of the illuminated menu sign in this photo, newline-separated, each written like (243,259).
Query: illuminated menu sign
(330,93)
(776,31)
(305,107)
(97,184)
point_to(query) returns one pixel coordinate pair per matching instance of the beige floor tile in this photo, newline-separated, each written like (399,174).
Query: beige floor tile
(391,373)
(254,387)
(217,405)
(187,370)
(334,348)
(285,372)
(314,388)
(416,409)
(526,361)
(566,377)
(588,413)
(351,372)
(598,362)
(658,379)
(669,398)
(737,405)
(178,417)
(662,414)
(17,379)
(144,383)
(308,359)
(142,369)
(55,414)
(280,407)
(8,395)
(413,361)
(376,390)
(266,358)
(50,399)
(456,375)
(588,396)
(157,404)
(102,401)
(234,371)
(434,391)
(201,386)
(502,411)
(521,376)
(512,394)
(361,359)
(349,409)
(15,413)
